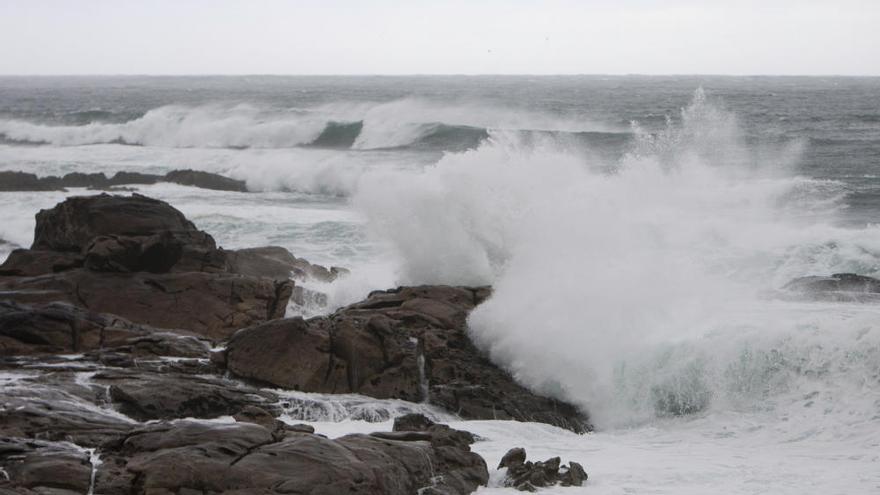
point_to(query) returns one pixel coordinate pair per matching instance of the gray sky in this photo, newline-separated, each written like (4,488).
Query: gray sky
(420,37)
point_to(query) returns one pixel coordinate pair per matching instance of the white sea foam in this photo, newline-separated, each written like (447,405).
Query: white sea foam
(640,293)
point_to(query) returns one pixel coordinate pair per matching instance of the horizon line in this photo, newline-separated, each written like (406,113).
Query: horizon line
(437,74)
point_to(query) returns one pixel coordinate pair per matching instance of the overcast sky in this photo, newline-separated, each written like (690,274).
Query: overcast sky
(440,37)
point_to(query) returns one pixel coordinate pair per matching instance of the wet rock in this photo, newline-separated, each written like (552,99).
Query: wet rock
(33,262)
(528,476)
(22,181)
(205,180)
(151,396)
(395,344)
(60,327)
(199,457)
(59,412)
(514,457)
(141,259)
(44,467)
(837,287)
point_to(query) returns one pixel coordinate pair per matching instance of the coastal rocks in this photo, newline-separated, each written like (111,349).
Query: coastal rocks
(60,327)
(207,457)
(213,305)
(528,476)
(44,467)
(198,457)
(140,258)
(22,181)
(838,287)
(409,343)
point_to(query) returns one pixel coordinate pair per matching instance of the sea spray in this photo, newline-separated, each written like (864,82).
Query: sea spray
(628,288)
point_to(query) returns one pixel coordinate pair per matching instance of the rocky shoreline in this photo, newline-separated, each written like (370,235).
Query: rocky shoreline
(137,356)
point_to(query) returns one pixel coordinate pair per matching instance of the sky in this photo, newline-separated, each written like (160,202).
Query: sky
(815,37)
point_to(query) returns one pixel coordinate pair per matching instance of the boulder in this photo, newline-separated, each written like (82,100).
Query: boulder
(142,259)
(410,343)
(528,476)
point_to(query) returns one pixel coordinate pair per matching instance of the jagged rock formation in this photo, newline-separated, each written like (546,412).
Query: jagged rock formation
(410,343)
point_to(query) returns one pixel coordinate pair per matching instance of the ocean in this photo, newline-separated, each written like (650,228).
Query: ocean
(636,230)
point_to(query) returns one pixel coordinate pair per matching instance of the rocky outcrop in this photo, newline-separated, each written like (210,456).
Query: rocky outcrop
(140,258)
(60,328)
(410,343)
(838,287)
(528,476)
(199,457)
(23,181)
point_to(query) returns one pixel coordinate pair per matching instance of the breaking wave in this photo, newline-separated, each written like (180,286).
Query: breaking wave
(405,124)
(639,289)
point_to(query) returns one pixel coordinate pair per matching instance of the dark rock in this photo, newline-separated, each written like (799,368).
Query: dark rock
(141,259)
(133,178)
(45,467)
(61,411)
(374,348)
(169,395)
(528,476)
(278,263)
(210,304)
(574,476)
(514,457)
(22,181)
(837,287)
(412,422)
(79,179)
(60,327)
(205,180)
(198,457)
(72,224)
(31,262)
(301,428)
(259,416)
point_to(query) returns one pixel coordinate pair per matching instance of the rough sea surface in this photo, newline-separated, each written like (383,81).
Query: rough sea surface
(637,231)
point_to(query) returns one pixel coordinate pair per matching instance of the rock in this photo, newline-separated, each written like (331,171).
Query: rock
(837,287)
(528,476)
(33,262)
(59,411)
(142,259)
(259,416)
(45,467)
(205,180)
(72,224)
(151,396)
(60,327)
(213,305)
(79,179)
(22,181)
(375,348)
(278,263)
(133,178)
(513,457)
(198,457)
